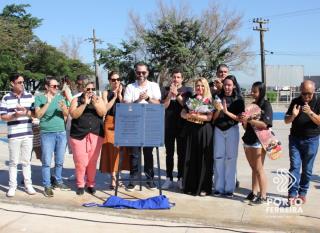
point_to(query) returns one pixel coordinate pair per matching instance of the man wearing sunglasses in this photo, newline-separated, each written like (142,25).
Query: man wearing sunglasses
(303,113)
(51,109)
(142,92)
(15,109)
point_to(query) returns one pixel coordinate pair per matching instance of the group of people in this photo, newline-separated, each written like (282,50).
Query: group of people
(207,142)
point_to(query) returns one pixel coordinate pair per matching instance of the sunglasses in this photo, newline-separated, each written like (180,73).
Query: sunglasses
(306,93)
(20,82)
(115,80)
(54,86)
(141,72)
(90,89)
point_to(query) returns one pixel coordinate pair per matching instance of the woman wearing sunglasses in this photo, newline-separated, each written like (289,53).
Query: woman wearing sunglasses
(110,155)
(86,136)
(51,109)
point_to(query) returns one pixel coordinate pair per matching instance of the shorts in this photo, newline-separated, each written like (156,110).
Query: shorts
(256,145)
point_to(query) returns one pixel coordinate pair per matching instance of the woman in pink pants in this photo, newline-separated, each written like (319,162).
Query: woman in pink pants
(86,136)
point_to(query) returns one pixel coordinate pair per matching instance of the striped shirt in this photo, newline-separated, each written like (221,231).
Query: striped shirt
(20,126)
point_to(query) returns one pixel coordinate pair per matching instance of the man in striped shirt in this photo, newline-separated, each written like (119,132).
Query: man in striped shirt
(15,109)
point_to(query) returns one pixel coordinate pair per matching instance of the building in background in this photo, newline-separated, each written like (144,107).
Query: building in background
(284,77)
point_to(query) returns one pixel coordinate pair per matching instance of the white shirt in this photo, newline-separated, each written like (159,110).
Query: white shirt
(133,91)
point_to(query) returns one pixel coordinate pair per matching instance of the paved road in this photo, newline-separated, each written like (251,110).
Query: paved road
(36,213)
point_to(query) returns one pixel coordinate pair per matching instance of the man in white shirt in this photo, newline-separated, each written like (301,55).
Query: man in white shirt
(142,91)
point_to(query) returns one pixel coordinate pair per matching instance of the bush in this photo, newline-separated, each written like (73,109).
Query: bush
(272,96)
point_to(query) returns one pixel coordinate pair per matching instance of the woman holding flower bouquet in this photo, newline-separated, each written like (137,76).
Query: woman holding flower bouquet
(226,137)
(198,161)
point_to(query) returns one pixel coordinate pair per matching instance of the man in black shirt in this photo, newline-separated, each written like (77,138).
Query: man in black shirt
(303,113)
(173,100)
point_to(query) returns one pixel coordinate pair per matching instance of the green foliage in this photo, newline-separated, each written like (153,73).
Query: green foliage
(21,51)
(119,59)
(195,45)
(272,96)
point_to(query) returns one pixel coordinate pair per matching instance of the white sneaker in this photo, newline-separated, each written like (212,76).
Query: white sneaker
(179,184)
(11,192)
(167,184)
(30,190)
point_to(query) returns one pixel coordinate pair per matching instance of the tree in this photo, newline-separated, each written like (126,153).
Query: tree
(71,47)
(119,59)
(21,51)
(177,38)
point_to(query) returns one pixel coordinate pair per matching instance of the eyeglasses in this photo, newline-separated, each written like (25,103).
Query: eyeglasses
(115,80)
(90,89)
(141,72)
(306,93)
(20,82)
(54,86)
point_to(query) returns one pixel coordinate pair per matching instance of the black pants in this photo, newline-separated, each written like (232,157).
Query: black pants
(135,152)
(170,137)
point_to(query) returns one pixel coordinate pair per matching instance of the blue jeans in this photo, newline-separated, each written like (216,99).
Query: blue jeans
(52,143)
(225,159)
(303,152)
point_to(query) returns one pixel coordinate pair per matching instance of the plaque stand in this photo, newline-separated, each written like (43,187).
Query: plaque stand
(139,172)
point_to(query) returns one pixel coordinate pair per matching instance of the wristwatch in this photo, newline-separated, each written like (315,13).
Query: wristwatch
(147,99)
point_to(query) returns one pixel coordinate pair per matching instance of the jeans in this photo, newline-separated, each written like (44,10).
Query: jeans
(225,159)
(170,138)
(135,152)
(20,148)
(52,143)
(302,152)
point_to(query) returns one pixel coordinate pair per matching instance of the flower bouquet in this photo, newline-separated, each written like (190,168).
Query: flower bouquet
(199,105)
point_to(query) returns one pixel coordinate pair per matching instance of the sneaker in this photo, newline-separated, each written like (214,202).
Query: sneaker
(91,190)
(179,183)
(48,192)
(249,197)
(62,187)
(80,191)
(11,192)
(130,187)
(228,195)
(30,190)
(258,201)
(151,185)
(167,184)
(217,194)
(203,194)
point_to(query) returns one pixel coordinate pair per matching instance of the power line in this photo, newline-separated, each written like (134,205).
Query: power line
(288,14)
(295,13)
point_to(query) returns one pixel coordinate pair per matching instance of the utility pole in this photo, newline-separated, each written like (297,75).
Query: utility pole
(94,40)
(261,21)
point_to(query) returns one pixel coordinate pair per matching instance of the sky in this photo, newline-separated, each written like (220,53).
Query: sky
(293,34)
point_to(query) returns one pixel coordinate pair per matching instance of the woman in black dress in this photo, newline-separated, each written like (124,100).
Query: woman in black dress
(198,162)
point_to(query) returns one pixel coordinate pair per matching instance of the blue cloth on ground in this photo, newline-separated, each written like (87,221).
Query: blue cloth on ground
(153,203)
